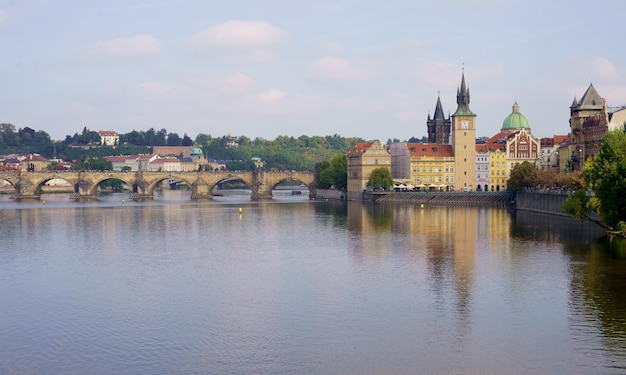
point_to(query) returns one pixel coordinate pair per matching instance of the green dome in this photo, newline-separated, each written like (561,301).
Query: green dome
(195,152)
(515,120)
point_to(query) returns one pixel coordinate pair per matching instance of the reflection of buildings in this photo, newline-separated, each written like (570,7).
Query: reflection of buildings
(464,244)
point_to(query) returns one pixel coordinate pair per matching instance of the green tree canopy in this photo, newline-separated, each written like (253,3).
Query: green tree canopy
(333,173)
(523,175)
(605,173)
(380,179)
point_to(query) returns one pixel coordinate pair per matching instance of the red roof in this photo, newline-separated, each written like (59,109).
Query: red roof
(34,157)
(360,148)
(107,133)
(429,149)
(558,139)
(482,148)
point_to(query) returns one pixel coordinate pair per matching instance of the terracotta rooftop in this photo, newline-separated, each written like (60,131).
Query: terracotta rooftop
(429,149)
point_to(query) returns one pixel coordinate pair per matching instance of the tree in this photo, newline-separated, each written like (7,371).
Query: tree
(605,173)
(173,139)
(380,179)
(323,173)
(333,173)
(523,175)
(187,141)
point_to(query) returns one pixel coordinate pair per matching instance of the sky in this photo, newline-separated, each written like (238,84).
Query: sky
(264,68)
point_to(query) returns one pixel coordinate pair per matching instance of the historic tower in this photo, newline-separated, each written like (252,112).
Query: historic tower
(439,126)
(464,141)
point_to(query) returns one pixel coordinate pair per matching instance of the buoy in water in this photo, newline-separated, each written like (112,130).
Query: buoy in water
(422,206)
(240,209)
(123,201)
(43,202)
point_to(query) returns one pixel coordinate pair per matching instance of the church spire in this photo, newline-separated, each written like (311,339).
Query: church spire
(439,126)
(463,99)
(439,109)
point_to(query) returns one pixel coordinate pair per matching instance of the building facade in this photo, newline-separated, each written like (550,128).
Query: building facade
(432,166)
(464,141)
(362,160)
(589,119)
(109,138)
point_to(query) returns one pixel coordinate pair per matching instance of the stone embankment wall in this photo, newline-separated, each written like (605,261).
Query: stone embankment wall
(547,203)
(491,199)
(329,194)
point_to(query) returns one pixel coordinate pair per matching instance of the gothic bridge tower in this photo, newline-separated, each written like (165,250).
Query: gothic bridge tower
(439,126)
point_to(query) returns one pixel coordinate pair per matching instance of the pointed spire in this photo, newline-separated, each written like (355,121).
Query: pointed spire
(439,109)
(463,98)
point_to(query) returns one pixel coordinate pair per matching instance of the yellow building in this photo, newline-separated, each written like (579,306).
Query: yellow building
(498,175)
(432,166)
(362,160)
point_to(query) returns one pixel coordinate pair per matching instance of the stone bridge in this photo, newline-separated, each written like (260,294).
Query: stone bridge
(28,185)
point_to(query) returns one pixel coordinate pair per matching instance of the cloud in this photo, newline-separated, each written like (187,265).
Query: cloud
(238,83)
(138,45)
(240,35)
(159,88)
(252,57)
(272,96)
(336,69)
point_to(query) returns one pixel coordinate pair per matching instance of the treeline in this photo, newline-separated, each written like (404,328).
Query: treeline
(284,152)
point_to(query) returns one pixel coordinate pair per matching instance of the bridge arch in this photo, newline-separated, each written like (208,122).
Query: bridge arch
(268,181)
(86,183)
(92,189)
(154,182)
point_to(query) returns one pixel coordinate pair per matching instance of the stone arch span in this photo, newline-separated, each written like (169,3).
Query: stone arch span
(92,190)
(27,184)
(267,181)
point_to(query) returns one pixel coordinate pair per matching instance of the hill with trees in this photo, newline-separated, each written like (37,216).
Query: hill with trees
(282,153)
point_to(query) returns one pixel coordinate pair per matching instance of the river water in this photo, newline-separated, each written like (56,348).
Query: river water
(293,286)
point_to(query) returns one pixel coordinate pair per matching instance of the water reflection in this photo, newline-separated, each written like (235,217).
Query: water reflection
(598,294)
(289,286)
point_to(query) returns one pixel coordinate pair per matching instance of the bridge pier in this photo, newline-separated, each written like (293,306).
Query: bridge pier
(26,197)
(200,190)
(84,197)
(141,197)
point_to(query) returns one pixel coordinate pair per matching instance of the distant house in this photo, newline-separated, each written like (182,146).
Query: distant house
(109,138)
(33,162)
(132,162)
(165,165)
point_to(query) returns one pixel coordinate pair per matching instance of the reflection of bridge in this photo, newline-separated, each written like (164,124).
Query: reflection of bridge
(28,185)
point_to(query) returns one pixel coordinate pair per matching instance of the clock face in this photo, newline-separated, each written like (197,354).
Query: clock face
(464,125)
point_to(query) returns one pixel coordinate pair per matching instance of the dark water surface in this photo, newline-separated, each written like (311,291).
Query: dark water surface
(294,286)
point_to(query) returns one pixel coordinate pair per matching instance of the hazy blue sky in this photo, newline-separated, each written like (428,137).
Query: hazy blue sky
(263,68)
